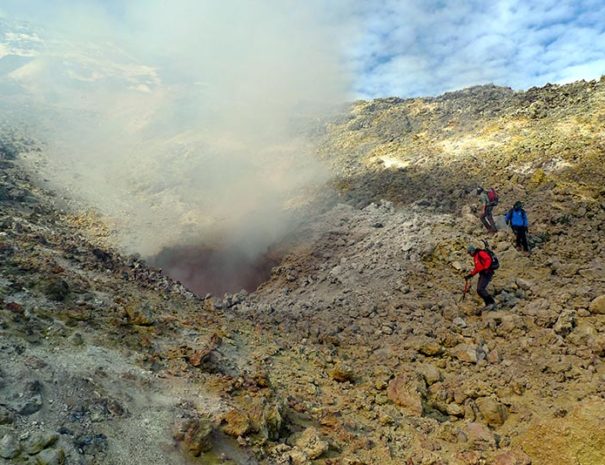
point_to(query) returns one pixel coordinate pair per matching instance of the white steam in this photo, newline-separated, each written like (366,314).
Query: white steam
(177,120)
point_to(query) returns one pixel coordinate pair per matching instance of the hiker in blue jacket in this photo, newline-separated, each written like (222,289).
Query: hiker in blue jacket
(516,218)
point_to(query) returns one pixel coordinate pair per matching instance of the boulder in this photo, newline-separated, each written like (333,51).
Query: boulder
(459,322)
(39,441)
(57,290)
(273,416)
(311,443)
(30,405)
(430,348)
(408,392)
(298,457)
(465,353)
(512,457)
(6,416)
(139,315)
(565,323)
(237,423)
(430,373)
(524,284)
(480,437)
(9,447)
(493,412)
(597,306)
(50,457)
(342,373)
(194,435)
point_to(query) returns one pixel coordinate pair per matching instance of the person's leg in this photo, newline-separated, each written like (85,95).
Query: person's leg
(523,239)
(490,219)
(517,232)
(484,279)
(484,220)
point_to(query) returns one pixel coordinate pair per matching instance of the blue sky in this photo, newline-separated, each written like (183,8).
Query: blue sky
(427,47)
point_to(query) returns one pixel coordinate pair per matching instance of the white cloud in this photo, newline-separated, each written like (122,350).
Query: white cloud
(462,43)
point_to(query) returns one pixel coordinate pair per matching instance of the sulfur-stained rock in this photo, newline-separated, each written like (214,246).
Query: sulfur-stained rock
(576,438)
(431,348)
(237,423)
(342,373)
(194,434)
(139,314)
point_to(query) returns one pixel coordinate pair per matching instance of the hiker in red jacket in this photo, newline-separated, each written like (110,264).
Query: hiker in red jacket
(483,266)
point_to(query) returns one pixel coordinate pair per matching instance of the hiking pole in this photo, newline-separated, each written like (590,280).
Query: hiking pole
(467,286)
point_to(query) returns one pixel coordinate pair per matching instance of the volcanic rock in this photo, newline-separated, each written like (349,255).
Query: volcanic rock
(311,443)
(408,392)
(512,457)
(493,412)
(597,306)
(466,353)
(236,423)
(480,437)
(430,373)
(38,441)
(341,373)
(9,447)
(140,314)
(6,416)
(194,434)
(50,457)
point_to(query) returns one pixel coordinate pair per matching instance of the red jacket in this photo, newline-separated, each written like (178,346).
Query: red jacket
(482,262)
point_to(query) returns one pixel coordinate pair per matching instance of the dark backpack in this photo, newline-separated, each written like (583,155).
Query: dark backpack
(492,196)
(495,262)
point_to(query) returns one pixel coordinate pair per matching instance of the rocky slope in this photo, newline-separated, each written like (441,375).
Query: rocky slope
(359,348)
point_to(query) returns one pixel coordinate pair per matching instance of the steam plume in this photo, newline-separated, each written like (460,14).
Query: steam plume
(175,119)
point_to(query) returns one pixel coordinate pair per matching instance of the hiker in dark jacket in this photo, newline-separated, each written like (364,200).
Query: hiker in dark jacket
(517,219)
(487,206)
(483,266)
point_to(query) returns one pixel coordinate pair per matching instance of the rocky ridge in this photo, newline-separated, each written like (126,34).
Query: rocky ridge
(359,349)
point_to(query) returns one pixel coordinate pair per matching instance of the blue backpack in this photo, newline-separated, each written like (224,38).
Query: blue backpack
(518,217)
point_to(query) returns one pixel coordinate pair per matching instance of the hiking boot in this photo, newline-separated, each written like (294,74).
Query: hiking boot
(489,308)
